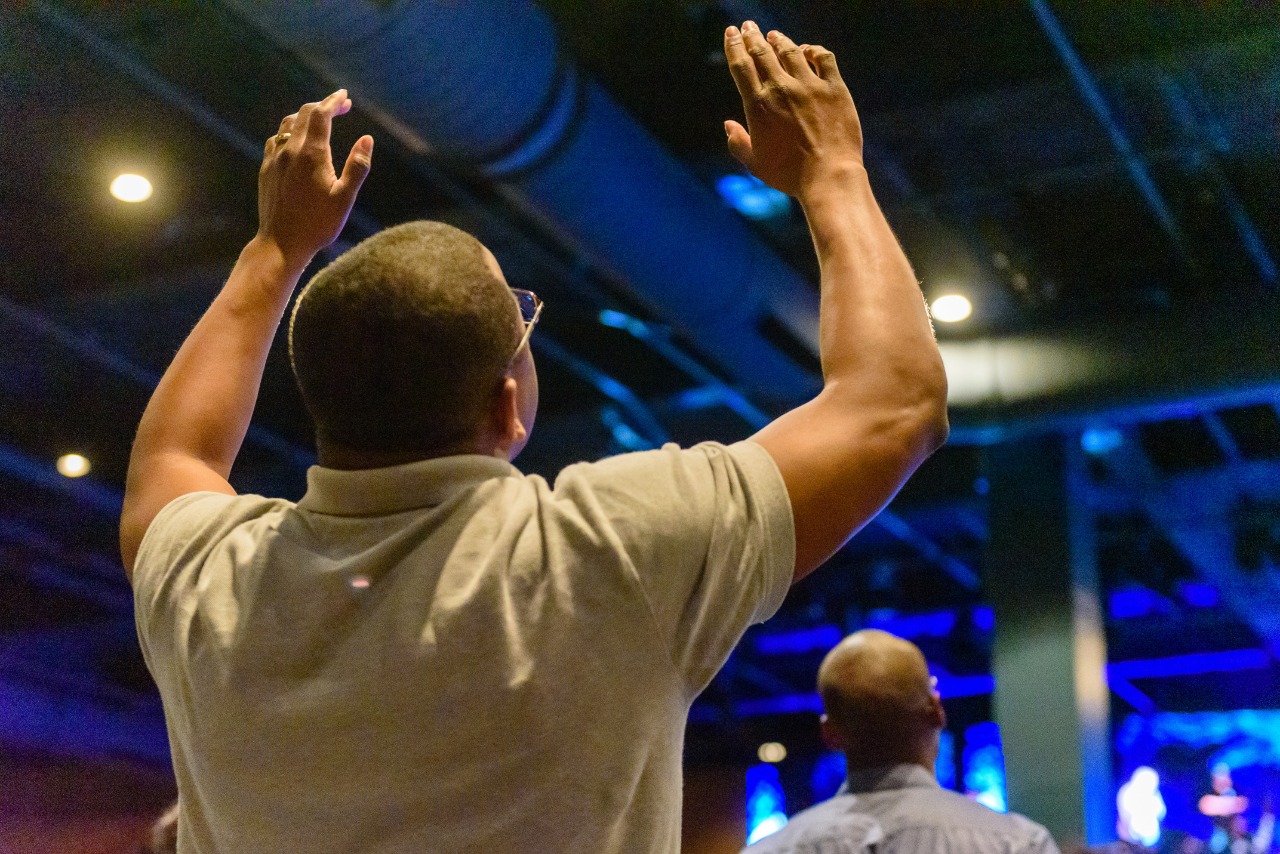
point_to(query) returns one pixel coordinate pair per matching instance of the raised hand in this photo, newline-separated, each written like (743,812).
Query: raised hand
(801,123)
(302,203)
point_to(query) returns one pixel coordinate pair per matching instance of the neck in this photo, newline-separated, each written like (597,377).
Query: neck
(924,754)
(334,456)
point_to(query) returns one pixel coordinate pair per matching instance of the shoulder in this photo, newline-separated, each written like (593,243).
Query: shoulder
(944,809)
(193,523)
(838,825)
(671,460)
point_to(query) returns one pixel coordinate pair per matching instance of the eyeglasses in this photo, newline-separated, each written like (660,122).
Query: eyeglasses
(530,311)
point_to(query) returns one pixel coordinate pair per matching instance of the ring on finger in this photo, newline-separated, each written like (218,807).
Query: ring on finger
(283,137)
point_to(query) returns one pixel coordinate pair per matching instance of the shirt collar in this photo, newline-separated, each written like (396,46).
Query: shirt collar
(889,777)
(395,489)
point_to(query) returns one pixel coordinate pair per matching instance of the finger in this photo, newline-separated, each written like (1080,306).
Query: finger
(804,48)
(357,167)
(287,122)
(741,66)
(320,122)
(790,56)
(766,61)
(740,144)
(301,125)
(823,60)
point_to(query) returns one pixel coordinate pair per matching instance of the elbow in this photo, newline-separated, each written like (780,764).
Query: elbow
(936,430)
(931,426)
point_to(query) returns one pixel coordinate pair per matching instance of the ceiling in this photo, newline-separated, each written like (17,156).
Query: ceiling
(1099,178)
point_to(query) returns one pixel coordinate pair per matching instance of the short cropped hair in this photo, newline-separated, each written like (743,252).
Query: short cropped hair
(401,343)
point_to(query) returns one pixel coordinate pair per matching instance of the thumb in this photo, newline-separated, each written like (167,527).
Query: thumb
(359,161)
(740,144)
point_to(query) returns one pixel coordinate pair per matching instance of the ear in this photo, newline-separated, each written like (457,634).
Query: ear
(504,420)
(937,714)
(831,736)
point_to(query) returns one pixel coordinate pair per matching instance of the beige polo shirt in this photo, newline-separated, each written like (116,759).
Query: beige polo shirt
(449,656)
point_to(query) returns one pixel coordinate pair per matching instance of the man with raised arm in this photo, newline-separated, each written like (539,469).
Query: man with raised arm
(883,714)
(431,651)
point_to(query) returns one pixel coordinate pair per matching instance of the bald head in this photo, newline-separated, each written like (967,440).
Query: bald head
(881,708)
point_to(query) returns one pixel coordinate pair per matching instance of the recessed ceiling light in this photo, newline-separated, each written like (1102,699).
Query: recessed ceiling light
(771,751)
(73,465)
(951,308)
(131,188)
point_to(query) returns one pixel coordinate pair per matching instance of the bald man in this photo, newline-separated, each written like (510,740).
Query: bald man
(883,714)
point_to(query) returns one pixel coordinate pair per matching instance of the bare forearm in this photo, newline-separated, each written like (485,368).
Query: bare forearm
(205,400)
(875,335)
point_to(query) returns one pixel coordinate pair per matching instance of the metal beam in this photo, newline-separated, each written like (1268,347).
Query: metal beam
(1118,673)
(1193,521)
(642,416)
(87,576)
(1147,369)
(1093,96)
(89,350)
(1205,159)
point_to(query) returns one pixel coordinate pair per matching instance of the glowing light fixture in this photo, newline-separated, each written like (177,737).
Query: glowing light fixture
(131,188)
(983,760)
(1100,441)
(951,308)
(752,198)
(766,803)
(73,465)
(772,751)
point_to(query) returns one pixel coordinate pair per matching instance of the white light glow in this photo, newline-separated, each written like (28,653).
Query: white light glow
(951,308)
(772,823)
(772,751)
(1141,808)
(131,188)
(73,465)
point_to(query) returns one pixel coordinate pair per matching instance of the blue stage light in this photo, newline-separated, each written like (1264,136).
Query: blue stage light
(1100,441)
(1198,594)
(819,638)
(984,766)
(944,768)
(1129,602)
(984,618)
(752,198)
(766,803)
(932,624)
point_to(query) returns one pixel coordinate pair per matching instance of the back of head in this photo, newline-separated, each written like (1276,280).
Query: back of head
(401,343)
(879,700)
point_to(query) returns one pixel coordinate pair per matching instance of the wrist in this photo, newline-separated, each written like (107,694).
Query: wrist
(266,253)
(833,181)
(263,278)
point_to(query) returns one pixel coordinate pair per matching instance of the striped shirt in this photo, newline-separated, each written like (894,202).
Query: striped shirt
(902,810)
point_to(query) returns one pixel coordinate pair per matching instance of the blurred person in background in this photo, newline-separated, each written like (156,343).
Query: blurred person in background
(883,714)
(431,651)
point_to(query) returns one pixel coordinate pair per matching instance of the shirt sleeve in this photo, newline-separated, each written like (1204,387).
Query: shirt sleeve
(709,535)
(173,552)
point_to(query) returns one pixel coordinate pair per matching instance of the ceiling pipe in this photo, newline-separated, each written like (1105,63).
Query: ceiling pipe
(487,85)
